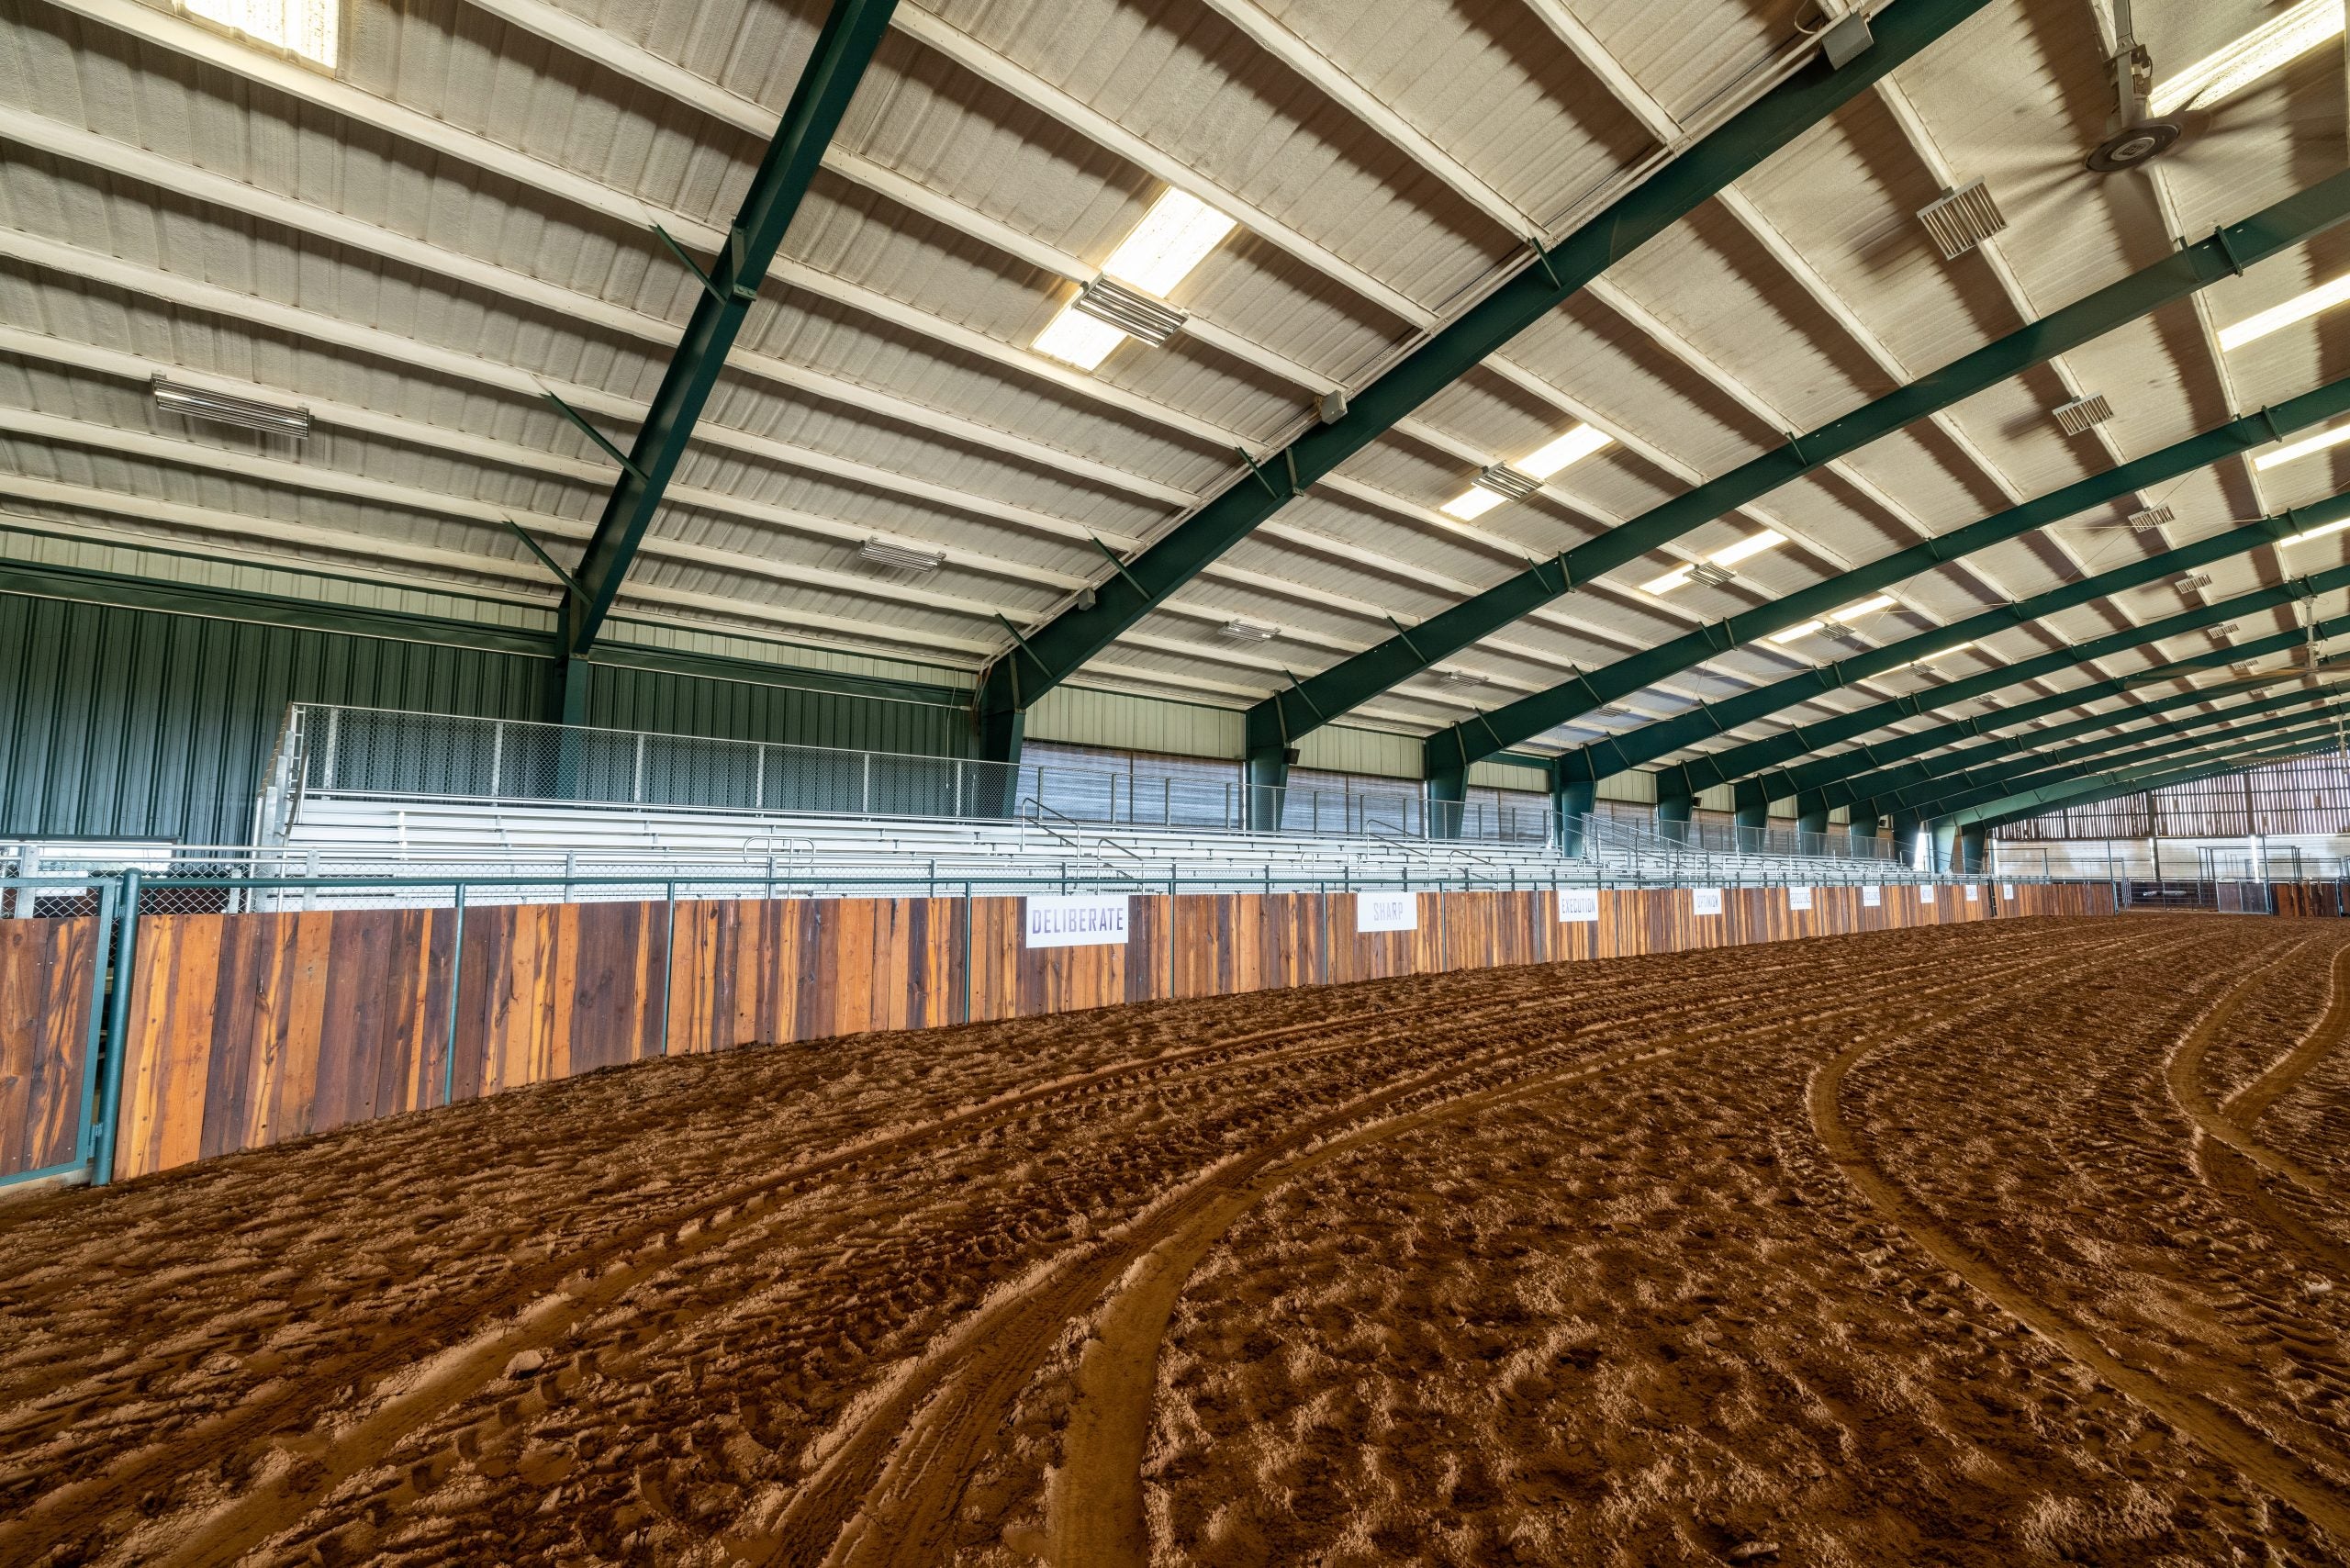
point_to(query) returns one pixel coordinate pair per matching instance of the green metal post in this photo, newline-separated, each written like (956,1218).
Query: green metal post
(125,971)
(456,982)
(93,1042)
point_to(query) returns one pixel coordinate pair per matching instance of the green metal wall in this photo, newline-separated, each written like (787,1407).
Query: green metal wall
(123,722)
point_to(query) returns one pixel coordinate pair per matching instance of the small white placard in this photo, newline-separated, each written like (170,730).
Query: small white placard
(2008,891)
(1705,901)
(1925,892)
(1387,912)
(1077,920)
(1871,895)
(1798,898)
(1973,893)
(1579,904)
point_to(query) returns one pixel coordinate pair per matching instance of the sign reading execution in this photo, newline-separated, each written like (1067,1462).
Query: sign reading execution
(1077,920)
(1579,904)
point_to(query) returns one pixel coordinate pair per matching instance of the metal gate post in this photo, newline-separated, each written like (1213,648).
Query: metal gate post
(668,958)
(93,1042)
(118,1033)
(967,952)
(456,981)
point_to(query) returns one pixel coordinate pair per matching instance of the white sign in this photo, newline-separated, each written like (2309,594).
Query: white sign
(1581,904)
(1798,898)
(1925,892)
(1973,893)
(1077,920)
(2008,891)
(1871,895)
(1387,912)
(1705,901)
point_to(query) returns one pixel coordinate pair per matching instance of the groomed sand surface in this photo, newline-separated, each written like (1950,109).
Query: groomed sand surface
(2013,1242)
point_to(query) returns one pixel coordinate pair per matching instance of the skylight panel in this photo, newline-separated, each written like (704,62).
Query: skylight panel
(2320,532)
(2300,307)
(1565,452)
(1173,237)
(1473,503)
(2267,48)
(2303,447)
(305,28)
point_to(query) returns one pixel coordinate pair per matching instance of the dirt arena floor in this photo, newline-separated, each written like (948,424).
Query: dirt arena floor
(2015,1242)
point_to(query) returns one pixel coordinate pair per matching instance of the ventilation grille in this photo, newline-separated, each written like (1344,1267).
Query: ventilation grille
(1504,480)
(2194,582)
(900,558)
(1137,315)
(2151,519)
(1962,219)
(2078,415)
(1247,632)
(1712,573)
(2222,633)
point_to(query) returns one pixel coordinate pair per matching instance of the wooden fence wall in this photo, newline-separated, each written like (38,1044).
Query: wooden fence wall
(250,1029)
(47,986)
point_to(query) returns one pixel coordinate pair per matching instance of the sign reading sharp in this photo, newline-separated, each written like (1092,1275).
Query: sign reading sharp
(1387,912)
(1077,920)
(1579,904)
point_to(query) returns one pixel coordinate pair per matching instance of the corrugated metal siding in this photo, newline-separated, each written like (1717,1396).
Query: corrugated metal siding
(1342,750)
(1078,716)
(127,722)
(135,723)
(688,705)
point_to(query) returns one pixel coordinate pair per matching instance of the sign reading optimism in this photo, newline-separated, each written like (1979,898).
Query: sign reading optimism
(1798,898)
(1579,904)
(1871,896)
(1078,920)
(1387,912)
(1705,901)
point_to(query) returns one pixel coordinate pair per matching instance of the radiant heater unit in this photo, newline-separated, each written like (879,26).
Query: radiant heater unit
(1962,219)
(223,408)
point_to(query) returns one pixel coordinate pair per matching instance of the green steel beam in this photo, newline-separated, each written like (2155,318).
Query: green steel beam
(1055,650)
(1618,753)
(1967,807)
(1824,772)
(1285,715)
(1728,767)
(1863,790)
(1935,797)
(844,47)
(2037,797)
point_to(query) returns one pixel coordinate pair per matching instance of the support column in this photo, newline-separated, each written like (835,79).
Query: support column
(1448,787)
(1266,771)
(1672,817)
(567,700)
(1904,836)
(999,735)
(1811,815)
(1945,847)
(1864,824)
(1571,800)
(1973,841)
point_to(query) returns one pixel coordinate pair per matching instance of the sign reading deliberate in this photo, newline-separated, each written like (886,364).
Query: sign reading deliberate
(1579,904)
(1798,898)
(1925,892)
(1387,912)
(1973,893)
(1871,895)
(1077,920)
(2008,891)
(1705,901)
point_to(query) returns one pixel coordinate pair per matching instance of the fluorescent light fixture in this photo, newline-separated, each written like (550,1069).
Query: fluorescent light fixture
(1565,452)
(1247,632)
(1173,237)
(305,28)
(2303,447)
(1841,620)
(2265,48)
(1728,555)
(226,408)
(1472,503)
(2318,533)
(1078,338)
(900,558)
(1463,677)
(2276,318)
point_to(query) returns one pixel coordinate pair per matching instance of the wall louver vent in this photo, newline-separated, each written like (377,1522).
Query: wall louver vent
(2192,583)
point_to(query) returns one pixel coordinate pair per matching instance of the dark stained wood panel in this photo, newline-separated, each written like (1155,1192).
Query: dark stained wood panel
(48,972)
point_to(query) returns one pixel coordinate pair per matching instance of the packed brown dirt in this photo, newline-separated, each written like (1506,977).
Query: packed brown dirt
(2007,1243)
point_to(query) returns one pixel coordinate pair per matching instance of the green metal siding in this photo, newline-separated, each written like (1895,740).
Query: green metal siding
(124,722)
